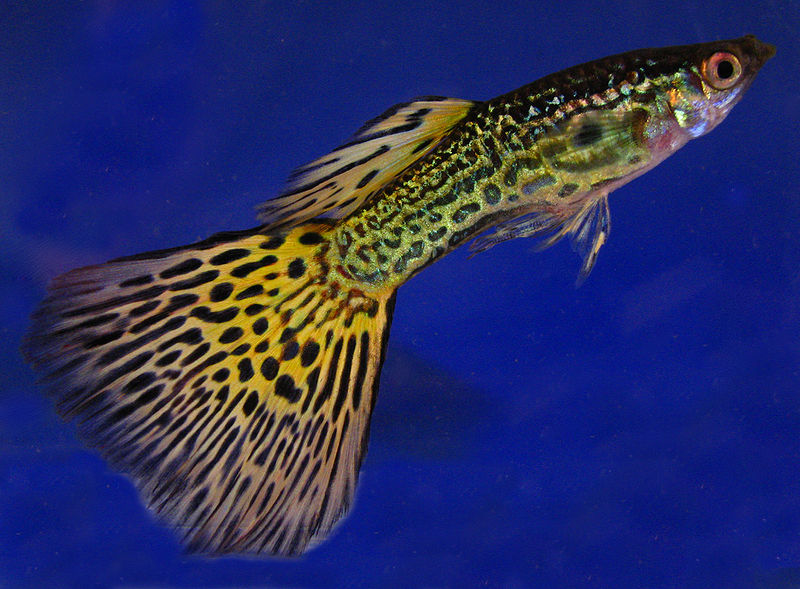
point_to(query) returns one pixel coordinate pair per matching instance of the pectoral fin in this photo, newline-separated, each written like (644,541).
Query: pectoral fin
(587,223)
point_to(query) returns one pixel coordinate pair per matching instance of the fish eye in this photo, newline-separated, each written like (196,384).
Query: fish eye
(722,70)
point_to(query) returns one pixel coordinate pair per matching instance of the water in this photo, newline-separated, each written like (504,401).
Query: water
(641,431)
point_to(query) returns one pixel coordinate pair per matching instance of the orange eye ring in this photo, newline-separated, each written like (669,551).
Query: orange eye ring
(722,70)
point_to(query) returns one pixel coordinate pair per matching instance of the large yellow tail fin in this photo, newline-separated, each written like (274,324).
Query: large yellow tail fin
(233,379)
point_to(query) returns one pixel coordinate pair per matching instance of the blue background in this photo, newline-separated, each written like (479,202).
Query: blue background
(640,431)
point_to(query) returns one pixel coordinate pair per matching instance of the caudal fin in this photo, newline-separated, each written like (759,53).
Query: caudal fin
(232,379)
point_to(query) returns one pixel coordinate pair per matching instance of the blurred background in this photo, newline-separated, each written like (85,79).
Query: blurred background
(640,431)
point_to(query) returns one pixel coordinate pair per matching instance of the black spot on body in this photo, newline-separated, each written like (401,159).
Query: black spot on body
(567,189)
(181,301)
(444,200)
(437,234)
(511,177)
(342,204)
(603,183)
(537,184)
(416,249)
(467,185)
(491,194)
(462,213)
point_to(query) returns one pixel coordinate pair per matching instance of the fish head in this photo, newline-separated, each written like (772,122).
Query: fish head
(712,78)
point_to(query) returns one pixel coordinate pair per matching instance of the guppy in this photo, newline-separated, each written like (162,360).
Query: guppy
(233,379)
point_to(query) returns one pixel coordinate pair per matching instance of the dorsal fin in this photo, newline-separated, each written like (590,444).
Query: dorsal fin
(587,223)
(338,183)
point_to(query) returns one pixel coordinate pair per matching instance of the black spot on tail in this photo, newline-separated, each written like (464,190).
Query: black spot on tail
(183,268)
(229,256)
(284,387)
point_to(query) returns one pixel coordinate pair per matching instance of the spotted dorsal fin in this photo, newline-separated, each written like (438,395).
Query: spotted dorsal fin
(339,182)
(587,222)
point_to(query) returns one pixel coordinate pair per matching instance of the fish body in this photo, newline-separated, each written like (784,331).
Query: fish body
(234,378)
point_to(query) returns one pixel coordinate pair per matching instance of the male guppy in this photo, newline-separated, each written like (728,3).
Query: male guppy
(234,378)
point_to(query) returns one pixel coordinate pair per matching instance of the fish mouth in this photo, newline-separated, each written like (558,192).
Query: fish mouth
(758,51)
(763,51)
